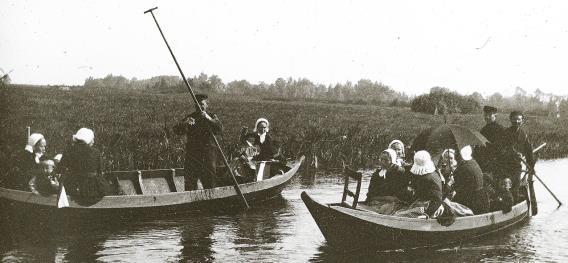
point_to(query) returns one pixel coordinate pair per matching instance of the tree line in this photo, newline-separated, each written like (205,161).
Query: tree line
(439,100)
(362,92)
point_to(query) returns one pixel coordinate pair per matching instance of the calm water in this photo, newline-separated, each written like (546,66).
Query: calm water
(283,231)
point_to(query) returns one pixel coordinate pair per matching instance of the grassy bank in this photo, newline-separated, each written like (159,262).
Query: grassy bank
(134,130)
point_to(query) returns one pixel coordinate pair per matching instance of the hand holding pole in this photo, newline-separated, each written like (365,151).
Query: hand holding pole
(236,184)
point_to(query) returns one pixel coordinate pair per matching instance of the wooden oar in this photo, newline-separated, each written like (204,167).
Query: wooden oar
(532,171)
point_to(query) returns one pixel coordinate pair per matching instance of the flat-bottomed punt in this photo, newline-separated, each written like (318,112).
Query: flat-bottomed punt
(145,193)
(350,229)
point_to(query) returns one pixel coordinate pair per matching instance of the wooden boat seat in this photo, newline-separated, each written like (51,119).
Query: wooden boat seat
(179,179)
(350,174)
(147,182)
(126,182)
(158,181)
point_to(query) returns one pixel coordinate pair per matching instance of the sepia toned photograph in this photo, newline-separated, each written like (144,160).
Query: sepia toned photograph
(283,131)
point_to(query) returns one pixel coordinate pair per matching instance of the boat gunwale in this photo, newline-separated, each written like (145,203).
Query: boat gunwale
(155,200)
(430,225)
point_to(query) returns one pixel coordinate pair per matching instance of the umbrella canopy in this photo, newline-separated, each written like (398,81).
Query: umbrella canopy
(445,136)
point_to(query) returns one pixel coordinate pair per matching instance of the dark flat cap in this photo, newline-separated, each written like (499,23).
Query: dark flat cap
(516,113)
(201,96)
(489,109)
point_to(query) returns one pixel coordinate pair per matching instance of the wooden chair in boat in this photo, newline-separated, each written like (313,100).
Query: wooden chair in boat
(350,174)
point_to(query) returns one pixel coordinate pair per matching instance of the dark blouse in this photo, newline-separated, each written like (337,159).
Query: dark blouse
(81,169)
(469,187)
(267,148)
(27,167)
(393,184)
(517,140)
(428,187)
(198,135)
(468,178)
(81,158)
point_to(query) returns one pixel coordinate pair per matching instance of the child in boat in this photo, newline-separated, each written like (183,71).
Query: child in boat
(245,166)
(45,181)
(503,198)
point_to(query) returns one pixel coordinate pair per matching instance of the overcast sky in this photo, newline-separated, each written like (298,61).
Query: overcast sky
(485,46)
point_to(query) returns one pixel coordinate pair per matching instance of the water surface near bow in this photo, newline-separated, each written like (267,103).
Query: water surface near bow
(282,230)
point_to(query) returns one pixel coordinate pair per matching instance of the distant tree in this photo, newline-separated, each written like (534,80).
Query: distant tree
(442,100)
(216,84)
(495,100)
(477,97)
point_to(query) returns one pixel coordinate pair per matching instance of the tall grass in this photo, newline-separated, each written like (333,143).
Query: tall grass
(134,131)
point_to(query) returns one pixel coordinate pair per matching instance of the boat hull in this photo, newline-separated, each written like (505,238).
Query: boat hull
(20,204)
(348,229)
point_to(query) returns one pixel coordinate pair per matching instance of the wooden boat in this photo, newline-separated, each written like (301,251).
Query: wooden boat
(348,229)
(153,193)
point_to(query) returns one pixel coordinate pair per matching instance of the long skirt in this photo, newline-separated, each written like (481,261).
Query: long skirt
(458,209)
(92,185)
(385,205)
(418,209)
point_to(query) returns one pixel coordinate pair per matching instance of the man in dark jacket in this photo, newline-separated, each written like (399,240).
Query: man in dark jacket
(488,156)
(200,148)
(516,146)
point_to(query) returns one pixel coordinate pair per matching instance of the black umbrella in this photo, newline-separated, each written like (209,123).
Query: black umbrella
(445,136)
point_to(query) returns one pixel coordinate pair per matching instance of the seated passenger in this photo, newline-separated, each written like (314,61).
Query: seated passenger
(45,180)
(244,165)
(503,198)
(398,147)
(28,162)
(387,185)
(81,167)
(469,183)
(427,185)
(447,166)
(263,140)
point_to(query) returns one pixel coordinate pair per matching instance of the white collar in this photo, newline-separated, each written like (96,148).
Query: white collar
(262,137)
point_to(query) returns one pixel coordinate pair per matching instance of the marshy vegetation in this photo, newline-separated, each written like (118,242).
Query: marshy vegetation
(133,129)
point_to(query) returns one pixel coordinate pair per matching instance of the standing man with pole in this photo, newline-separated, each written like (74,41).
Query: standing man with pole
(200,150)
(200,112)
(517,146)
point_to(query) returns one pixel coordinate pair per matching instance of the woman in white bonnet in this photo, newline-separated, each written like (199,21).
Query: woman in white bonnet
(29,161)
(81,166)
(469,185)
(398,147)
(427,185)
(388,185)
(264,140)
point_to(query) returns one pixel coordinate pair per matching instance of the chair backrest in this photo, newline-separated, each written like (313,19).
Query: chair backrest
(350,174)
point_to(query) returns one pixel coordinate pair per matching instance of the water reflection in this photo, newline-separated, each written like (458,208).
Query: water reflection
(259,228)
(83,247)
(279,230)
(196,240)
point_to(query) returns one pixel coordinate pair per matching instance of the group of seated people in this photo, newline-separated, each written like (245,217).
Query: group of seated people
(78,168)
(456,186)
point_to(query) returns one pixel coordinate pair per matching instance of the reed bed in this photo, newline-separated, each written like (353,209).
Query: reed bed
(134,130)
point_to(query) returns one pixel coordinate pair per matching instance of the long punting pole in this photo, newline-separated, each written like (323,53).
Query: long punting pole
(245,203)
(540,180)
